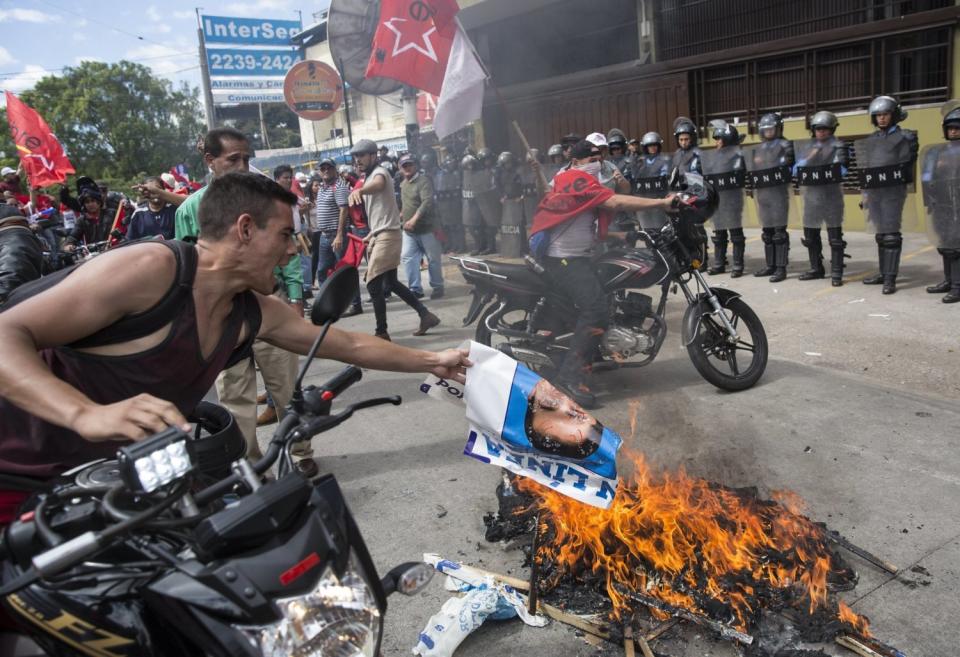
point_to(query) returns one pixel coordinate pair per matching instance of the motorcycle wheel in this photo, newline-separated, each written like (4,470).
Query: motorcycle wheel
(721,363)
(516,319)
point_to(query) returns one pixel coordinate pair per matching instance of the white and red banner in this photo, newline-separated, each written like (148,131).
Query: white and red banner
(40,152)
(420,43)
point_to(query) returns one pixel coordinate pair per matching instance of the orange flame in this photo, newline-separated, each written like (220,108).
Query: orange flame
(850,617)
(688,542)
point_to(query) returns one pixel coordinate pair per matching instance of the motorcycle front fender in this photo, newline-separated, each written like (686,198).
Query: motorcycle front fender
(479,302)
(701,307)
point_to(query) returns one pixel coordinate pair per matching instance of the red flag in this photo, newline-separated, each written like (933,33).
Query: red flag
(412,42)
(575,192)
(41,154)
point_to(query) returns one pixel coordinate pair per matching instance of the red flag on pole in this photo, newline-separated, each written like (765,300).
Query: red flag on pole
(412,42)
(41,154)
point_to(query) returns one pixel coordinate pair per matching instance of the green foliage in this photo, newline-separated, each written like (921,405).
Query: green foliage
(283,126)
(7,147)
(119,120)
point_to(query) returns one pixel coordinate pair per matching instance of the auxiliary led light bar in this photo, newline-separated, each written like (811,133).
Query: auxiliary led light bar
(156,461)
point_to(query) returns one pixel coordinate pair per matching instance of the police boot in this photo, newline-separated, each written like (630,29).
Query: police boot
(877,278)
(719,253)
(944,285)
(768,254)
(479,240)
(491,240)
(739,246)
(953,296)
(781,250)
(811,240)
(890,261)
(837,254)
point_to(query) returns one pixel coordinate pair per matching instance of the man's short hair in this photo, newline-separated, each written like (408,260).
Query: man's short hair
(233,194)
(550,445)
(282,169)
(213,142)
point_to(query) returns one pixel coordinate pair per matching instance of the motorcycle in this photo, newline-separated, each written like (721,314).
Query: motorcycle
(519,312)
(181,546)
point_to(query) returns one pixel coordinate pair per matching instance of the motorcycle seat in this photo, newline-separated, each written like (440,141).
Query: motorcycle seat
(517,274)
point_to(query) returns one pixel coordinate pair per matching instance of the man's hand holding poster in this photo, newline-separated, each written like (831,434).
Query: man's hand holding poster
(519,421)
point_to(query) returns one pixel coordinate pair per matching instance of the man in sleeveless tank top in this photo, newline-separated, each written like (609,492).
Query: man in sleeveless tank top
(63,405)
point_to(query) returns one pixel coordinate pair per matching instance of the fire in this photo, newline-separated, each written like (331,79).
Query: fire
(688,542)
(850,617)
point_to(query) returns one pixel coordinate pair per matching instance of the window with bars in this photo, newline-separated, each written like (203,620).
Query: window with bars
(915,67)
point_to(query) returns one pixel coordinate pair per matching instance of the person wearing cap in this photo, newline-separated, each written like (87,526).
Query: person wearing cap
(93,223)
(385,241)
(610,176)
(567,143)
(417,212)
(569,221)
(328,220)
(10,182)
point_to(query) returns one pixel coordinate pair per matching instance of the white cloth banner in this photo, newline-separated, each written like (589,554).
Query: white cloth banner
(461,96)
(519,421)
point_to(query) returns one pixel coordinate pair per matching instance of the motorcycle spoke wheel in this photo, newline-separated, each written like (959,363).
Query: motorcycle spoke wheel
(514,319)
(730,366)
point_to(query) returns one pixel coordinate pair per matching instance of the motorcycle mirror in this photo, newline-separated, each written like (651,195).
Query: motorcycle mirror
(408,578)
(335,296)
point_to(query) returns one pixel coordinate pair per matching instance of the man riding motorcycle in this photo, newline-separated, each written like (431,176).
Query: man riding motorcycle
(563,234)
(72,383)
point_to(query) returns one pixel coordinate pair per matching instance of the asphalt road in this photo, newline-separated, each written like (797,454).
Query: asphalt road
(857,413)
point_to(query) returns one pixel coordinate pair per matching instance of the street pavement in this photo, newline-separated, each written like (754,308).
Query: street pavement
(857,413)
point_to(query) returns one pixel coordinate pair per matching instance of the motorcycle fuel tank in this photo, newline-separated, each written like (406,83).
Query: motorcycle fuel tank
(633,268)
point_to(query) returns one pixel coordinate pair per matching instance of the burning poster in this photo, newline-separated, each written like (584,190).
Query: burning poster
(521,422)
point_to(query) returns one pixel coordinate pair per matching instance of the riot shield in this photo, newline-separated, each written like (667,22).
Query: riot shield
(723,168)
(940,182)
(649,180)
(819,174)
(884,169)
(768,172)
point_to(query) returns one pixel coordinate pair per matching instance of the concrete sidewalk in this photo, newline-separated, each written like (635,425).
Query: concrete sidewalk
(858,413)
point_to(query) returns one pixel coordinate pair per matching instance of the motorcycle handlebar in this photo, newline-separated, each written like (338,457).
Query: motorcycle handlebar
(346,378)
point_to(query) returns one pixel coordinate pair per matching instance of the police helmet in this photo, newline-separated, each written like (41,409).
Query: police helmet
(951,119)
(555,151)
(534,154)
(507,159)
(428,160)
(684,126)
(651,139)
(882,104)
(449,163)
(364,147)
(616,136)
(824,119)
(469,163)
(771,121)
(725,133)
(486,157)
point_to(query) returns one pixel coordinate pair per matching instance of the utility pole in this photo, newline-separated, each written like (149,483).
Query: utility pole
(263,127)
(205,75)
(409,99)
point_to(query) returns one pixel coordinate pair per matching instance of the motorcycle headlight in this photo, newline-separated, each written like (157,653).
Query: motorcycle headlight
(338,618)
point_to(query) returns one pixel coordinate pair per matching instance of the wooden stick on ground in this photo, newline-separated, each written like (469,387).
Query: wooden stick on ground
(853,645)
(534,566)
(574,620)
(644,646)
(863,554)
(660,629)
(628,648)
(515,582)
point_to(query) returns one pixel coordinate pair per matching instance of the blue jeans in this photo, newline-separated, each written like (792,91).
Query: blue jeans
(326,256)
(415,246)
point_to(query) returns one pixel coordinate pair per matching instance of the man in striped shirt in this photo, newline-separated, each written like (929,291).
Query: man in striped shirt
(329,218)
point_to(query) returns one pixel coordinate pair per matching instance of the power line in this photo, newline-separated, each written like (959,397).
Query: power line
(14,74)
(107,25)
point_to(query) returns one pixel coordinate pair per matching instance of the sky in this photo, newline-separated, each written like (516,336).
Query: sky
(42,38)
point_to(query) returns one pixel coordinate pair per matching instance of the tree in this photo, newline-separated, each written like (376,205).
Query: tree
(283,127)
(118,120)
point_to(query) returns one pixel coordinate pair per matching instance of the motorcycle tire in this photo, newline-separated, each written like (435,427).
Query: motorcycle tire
(708,347)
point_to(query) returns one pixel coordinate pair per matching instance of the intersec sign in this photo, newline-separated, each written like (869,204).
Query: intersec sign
(247,58)
(249,31)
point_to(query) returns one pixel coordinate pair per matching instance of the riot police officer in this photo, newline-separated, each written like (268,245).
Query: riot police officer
(649,173)
(821,165)
(488,197)
(555,162)
(472,217)
(530,179)
(725,168)
(886,161)
(511,198)
(940,180)
(687,156)
(618,154)
(449,191)
(770,165)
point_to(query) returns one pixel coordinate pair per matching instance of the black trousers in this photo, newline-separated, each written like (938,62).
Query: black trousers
(380,286)
(578,281)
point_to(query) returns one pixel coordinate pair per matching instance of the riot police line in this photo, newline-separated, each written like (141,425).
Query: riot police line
(488,200)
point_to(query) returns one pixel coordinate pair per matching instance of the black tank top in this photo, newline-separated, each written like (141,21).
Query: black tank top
(174,370)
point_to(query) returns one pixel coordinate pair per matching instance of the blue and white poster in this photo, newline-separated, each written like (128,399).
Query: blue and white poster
(520,421)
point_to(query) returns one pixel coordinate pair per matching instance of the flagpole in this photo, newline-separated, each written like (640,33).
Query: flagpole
(500,100)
